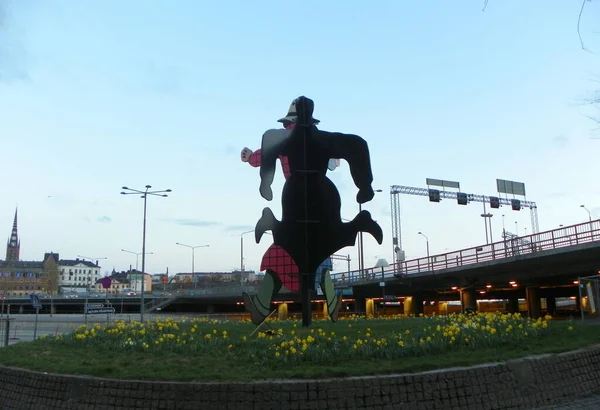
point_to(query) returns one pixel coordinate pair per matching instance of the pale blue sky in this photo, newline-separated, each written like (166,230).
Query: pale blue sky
(95,95)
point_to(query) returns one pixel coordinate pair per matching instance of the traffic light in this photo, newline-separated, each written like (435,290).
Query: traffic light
(516,204)
(462,198)
(434,195)
(494,202)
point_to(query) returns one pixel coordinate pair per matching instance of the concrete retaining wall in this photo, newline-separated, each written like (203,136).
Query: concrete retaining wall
(517,384)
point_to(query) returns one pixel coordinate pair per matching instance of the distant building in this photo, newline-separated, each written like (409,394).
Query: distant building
(159,280)
(122,282)
(213,278)
(77,275)
(20,278)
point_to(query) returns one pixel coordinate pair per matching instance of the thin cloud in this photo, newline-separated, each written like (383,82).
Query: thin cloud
(239,228)
(12,52)
(104,219)
(560,140)
(192,222)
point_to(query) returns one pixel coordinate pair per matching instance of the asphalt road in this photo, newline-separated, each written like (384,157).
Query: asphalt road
(23,327)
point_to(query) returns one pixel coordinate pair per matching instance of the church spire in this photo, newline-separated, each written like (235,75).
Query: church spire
(14,244)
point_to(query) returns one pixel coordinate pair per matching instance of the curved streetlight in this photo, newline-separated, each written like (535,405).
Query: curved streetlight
(193,248)
(590,219)
(427,242)
(588,211)
(242,267)
(144,195)
(137,255)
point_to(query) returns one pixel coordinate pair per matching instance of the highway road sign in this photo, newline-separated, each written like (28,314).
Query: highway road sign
(35,301)
(100,310)
(94,306)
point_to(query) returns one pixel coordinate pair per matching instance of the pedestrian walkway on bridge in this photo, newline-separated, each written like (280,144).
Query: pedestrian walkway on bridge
(512,246)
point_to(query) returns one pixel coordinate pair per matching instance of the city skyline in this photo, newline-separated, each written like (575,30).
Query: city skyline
(97,96)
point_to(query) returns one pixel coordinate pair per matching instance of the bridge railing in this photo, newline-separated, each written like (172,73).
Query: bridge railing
(507,248)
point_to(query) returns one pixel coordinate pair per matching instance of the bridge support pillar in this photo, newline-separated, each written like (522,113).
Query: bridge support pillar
(370,308)
(468,300)
(413,305)
(408,303)
(360,302)
(282,311)
(513,304)
(534,302)
(551,305)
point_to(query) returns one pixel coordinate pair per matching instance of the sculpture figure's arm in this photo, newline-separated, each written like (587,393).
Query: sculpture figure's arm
(273,142)
(255,158)
(251,157)
(355,150)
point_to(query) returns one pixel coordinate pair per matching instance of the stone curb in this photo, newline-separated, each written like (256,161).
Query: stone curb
(530,382)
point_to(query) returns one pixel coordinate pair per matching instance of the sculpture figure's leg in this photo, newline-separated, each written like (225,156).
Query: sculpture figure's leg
(366,224)
(259,305)
(363,222)
(333,300)
(267,222)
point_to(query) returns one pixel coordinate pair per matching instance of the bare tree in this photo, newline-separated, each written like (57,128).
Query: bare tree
(595,99)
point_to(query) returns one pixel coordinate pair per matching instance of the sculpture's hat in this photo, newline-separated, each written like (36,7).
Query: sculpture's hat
(292,115)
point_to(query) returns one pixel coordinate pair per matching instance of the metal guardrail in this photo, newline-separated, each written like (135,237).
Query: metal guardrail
(159,303)
(509,247)
(221,291)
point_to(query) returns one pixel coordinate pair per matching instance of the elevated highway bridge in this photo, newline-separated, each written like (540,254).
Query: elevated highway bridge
(539,266)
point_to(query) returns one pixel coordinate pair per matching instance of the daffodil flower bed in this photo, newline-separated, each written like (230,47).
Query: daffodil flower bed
(204,349)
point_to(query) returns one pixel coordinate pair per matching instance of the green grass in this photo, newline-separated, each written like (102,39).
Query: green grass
(201,351)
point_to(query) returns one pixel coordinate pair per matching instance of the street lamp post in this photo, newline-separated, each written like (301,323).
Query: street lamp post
(193,248)
(137,255)
(89,279)
(361,258)
(242,267)
(144,194)
(427,242)
(590,219)
(488,216)
(588,212)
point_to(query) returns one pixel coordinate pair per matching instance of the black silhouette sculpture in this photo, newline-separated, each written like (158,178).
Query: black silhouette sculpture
(311,227)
